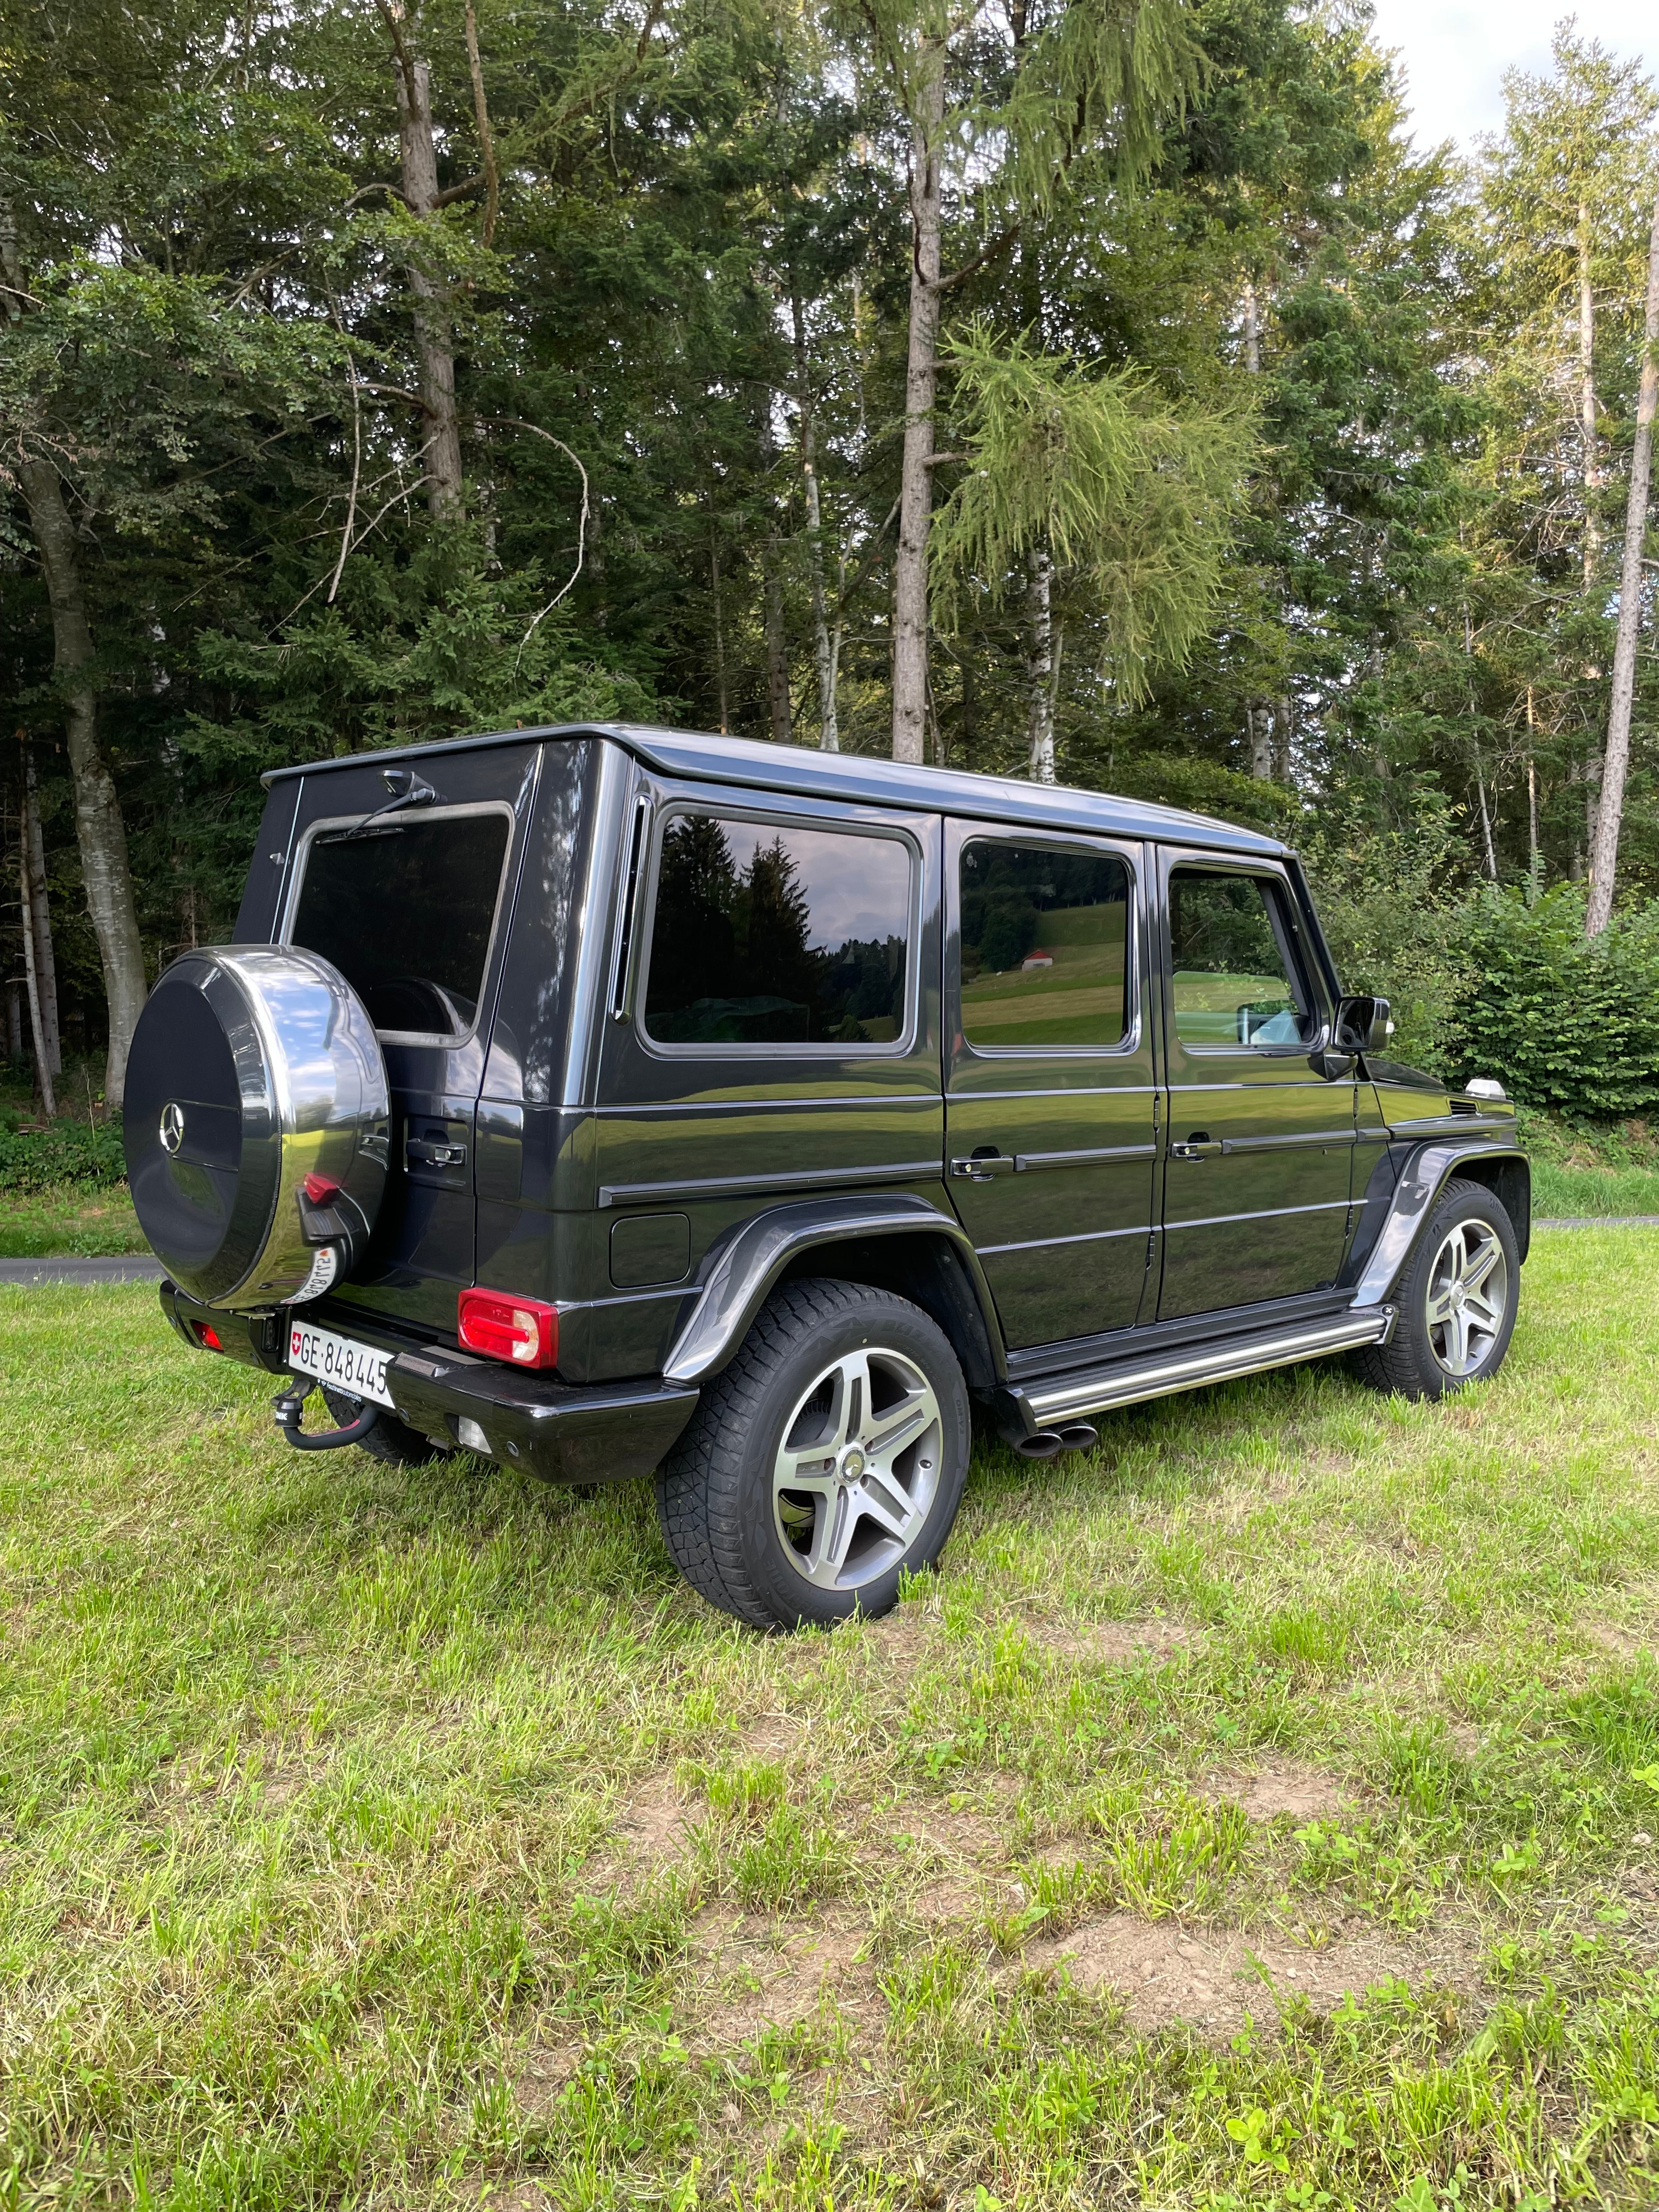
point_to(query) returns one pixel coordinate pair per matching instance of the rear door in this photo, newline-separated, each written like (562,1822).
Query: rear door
(1260,1141)
(412,909)
(1051,1092)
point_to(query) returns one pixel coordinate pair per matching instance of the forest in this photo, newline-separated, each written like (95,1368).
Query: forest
(1105,390)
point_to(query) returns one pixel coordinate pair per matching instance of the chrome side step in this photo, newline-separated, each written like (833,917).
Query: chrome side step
(1060,1399)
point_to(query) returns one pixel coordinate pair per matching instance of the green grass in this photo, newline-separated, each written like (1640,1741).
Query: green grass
(414,1839)
(87,1223)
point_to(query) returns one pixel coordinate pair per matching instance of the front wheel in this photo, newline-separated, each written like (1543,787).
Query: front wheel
(823,1464)
(1456,1300)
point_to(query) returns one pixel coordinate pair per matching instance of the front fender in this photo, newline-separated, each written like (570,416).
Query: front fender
(1424,1175)
(744,1268)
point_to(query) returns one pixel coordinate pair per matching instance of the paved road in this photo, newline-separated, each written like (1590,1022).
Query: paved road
(135,1268)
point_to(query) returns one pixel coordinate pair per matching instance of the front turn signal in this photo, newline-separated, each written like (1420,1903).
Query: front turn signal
(522,1331)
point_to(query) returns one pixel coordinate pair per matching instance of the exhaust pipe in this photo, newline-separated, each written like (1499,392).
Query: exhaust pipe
(1049,1444)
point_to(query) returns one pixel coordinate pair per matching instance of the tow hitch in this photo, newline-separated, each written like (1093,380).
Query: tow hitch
(286,1411)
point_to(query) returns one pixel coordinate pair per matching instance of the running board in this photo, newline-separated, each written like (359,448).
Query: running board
(1057,1401)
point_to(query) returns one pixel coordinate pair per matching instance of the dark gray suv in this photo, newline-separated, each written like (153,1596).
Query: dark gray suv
(612,1101)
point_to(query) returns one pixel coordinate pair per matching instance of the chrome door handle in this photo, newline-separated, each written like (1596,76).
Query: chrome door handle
(425,1154)
(1196,1148)
(982,1166)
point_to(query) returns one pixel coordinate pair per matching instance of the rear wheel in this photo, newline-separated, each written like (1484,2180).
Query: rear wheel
(826,1461)
(1456,1300)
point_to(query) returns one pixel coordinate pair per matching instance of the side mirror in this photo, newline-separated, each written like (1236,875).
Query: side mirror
(1362,1025)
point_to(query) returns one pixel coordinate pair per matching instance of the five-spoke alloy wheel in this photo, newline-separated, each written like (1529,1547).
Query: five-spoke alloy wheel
(1456,1299)
(824,1463)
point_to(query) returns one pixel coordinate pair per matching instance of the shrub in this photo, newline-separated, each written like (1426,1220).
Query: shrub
(1392,911)
(1565,1022)
(78,1154)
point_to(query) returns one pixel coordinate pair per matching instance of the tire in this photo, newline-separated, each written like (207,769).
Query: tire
(858,1396)
(1440,1343)
(389,1439)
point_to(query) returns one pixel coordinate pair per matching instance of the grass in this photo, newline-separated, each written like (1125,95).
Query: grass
(33,1224)
(1255,1813)
(1608,1169)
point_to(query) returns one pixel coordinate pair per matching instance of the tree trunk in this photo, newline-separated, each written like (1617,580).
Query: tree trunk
(1283,730)
(1604,853)
(824,656)
(1259,721)
(1040,665)
(32,974)
(433,341)
(922,378)
(777,646)
(35,873)
(98,829)
(719,635)
(1592,470)
(1252,329)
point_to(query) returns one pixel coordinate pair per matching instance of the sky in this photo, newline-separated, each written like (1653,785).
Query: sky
(1455,51)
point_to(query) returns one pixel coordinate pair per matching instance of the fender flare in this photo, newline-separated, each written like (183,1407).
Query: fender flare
(1426,1170)
(743,1269)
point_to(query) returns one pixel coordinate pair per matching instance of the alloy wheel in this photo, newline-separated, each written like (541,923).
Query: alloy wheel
(857,1473)
(1468,1295)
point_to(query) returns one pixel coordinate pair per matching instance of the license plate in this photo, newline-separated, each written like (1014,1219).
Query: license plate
(356,1369)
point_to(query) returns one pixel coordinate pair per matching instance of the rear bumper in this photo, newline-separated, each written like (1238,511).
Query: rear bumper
(565,1432)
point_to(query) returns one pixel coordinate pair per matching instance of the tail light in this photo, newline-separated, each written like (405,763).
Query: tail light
(522,1331)
(207,1336)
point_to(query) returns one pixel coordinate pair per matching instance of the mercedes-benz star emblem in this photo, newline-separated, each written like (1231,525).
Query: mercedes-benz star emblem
(173,1126)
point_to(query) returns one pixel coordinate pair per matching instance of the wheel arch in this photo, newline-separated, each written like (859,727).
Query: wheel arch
(896,1242)
(1422,1176)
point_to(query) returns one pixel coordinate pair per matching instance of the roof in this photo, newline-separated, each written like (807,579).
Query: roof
(803,771)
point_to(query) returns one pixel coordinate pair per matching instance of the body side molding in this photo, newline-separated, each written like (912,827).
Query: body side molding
(744,1268)
(1422,1178)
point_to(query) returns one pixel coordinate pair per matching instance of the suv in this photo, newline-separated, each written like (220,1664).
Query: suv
(608,1100)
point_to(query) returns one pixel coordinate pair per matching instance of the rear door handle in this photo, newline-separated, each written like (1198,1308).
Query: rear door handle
(426,1154)
(982,1166)
(1196,1148)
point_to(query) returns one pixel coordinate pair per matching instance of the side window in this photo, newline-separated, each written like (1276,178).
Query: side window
(1235,979)
(769,933)
(406,911)
(1045,946)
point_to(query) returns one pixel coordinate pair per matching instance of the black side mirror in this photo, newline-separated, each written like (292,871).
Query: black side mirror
(1362,1025)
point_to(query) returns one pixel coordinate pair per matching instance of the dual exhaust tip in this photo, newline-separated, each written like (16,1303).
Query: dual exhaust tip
(1049,1444)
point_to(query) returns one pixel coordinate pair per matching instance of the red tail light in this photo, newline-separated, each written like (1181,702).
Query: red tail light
(521,1330)
(208,1337)
(320,1190)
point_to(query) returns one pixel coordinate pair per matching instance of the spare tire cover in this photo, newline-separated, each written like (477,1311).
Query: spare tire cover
(256,1122)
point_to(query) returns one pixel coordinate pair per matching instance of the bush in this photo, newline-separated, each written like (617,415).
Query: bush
(1566,1023)
(78,1154)
(1392,910)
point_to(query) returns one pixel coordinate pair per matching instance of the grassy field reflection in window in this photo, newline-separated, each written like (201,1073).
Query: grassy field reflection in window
(1044,946)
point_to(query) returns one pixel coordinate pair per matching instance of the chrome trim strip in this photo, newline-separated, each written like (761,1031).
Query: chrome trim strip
(1289,1141)
(1269,1213)
(1129,1383)
(1089,1237)
(1025,1162)
(638,1194)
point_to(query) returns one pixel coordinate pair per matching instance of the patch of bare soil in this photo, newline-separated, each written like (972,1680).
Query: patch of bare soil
(1626,1639)
(1277,1787)
(898,1640)
(1165,1972)
(546,2069)
(973,1833)
(773,1738)
(765,1973)
(652,1835)
(1116,1643)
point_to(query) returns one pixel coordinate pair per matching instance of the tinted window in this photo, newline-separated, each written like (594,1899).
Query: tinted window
(404,913)
(765,935)
(1235,981)
(1045,945)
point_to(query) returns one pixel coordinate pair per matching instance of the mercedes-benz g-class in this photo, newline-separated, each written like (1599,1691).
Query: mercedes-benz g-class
(616,1102)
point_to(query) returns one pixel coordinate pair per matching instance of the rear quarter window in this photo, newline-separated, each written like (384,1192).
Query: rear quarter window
(776,934)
